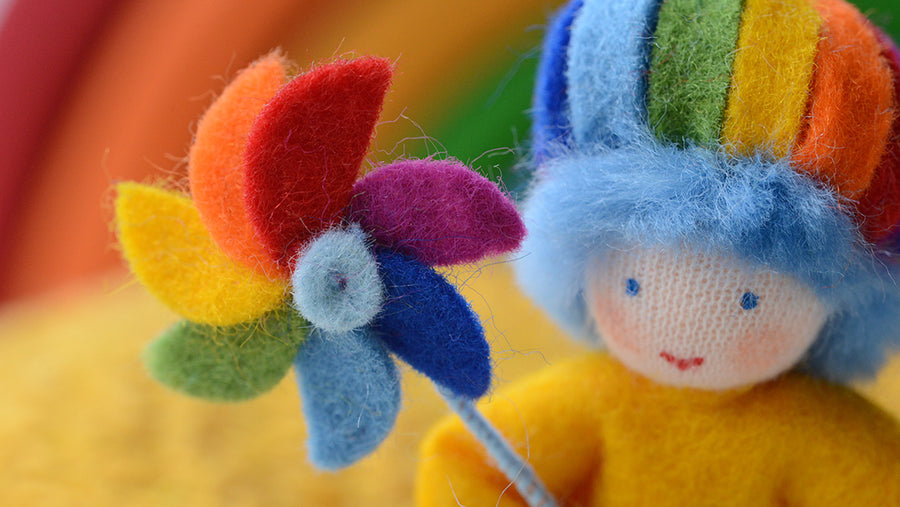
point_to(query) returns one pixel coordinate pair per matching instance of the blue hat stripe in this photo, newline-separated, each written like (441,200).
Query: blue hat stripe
(550,114)
(607,65)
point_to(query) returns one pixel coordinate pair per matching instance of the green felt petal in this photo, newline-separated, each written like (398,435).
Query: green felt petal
(230,363)
(690,68)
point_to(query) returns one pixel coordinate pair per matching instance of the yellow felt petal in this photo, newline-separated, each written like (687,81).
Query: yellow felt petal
(173,255)
(772,71)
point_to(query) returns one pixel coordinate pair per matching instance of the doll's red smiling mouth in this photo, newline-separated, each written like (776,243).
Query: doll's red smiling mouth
(680,363)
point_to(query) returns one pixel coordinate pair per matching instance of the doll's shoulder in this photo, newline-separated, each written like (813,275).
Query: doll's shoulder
(833,443)
(816,408)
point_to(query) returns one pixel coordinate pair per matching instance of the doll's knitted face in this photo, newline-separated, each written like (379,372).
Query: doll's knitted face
(699,321)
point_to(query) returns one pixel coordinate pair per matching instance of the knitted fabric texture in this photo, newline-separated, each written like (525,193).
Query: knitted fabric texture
(305,151)
(607,63)
(335,284)
(216,161)
(693,51)
(351,395)
(231,363)
(431,327)
(700,321)
(848,119)
(173,255)
(598,434)
(772,72)
(439,212)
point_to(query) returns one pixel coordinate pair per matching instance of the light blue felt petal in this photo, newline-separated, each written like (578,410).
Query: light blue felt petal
(350,391)
(430,326)
(609,56)
(335,283)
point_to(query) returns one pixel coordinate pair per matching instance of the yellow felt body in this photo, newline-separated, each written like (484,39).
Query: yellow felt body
(770,83)
(173,255)
(599,434)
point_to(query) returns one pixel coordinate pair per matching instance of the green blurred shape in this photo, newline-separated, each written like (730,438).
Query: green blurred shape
(883,13)
(487,126)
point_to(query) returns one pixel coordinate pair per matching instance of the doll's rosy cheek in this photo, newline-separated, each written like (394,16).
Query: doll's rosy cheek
(782,331)
(618,313)
(608,316)
(757,351)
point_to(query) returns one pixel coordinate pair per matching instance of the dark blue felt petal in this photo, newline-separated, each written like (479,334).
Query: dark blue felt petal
(350,392)
(430,326)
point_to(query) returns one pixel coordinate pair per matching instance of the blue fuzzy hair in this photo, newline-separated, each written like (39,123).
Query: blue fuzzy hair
(648,193)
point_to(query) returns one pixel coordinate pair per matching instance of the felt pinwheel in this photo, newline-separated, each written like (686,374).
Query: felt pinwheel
(281,257)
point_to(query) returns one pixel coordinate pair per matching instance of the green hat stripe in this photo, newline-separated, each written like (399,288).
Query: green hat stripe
(690,68)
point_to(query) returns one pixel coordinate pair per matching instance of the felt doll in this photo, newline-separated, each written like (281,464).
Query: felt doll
(281,257)
(715,205)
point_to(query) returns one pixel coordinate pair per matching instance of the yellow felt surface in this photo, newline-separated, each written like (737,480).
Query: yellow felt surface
(773,67)
(173,255)
(600,435)
(81,423)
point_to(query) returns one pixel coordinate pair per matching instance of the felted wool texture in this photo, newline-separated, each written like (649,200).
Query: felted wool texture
(851,104)
(172,254)
(608,59)
(690,69)
(231,363)
(335,283)
(437,211)
(305,149)
(550,122)
(217,157)
(350,391)
(760,211)
(430,326)
(880,206)
(585,425)
(770,83)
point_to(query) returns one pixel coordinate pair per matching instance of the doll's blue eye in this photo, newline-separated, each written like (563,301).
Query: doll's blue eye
(632,287)
(749,301)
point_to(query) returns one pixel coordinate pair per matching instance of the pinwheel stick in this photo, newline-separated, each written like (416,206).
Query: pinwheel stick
(517,470)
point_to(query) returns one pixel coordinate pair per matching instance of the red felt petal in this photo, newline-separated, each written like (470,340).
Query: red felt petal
(880,205)
(305,149)
(439,212)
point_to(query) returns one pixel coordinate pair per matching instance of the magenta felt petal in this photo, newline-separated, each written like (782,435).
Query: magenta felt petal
(439,212)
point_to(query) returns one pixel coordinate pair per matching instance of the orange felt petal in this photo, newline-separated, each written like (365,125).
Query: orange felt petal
(216,162)
(851,103)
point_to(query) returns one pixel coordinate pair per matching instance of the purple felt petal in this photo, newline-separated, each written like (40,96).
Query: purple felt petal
(437,211)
